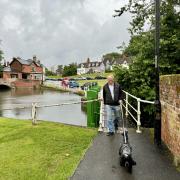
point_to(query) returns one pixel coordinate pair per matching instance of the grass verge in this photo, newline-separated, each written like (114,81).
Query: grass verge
(100,82)
(45,151)
(93,75)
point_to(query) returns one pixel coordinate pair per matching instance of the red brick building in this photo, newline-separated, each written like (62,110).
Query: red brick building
(23,73)
(18,68)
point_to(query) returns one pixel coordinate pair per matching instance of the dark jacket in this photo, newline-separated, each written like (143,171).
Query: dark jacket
(108,100)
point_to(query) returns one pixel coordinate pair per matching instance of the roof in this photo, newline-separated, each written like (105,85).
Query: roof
(90,64)
(25,62)
(117,61)
(7,69)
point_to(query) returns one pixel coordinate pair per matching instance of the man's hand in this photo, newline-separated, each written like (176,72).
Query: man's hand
(120,101)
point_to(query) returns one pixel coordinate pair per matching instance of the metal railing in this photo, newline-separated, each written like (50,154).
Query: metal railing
(127,106)
(35,106)
(102,122)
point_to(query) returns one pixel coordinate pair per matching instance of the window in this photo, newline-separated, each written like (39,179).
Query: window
(33,68)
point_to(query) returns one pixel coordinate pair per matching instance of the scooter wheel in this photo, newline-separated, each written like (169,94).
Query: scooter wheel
(121,162)
(130,169)
(128,166)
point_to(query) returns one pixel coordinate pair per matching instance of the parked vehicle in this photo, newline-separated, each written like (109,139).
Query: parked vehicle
(60,79)
(87,85)
(89,78)
(100,77)
(72,79)
(73,84)
(83,78)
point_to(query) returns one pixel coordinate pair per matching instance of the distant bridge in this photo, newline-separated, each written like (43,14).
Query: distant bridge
(6,83)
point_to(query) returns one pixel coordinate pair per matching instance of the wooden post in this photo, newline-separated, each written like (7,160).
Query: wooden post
(34,113)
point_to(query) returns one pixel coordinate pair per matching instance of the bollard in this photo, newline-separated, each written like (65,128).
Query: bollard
(34,113)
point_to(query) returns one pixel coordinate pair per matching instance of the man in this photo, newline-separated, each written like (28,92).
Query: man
(112,94)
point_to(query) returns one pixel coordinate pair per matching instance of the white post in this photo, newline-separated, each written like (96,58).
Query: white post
(138,116)
(101,113)
(126,105)
(101,118)
(34,113)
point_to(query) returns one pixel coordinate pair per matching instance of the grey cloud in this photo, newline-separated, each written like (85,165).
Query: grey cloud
(61,31)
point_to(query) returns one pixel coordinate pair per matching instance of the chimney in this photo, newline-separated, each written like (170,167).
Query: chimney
(88,60)
(4,63)
(34,58)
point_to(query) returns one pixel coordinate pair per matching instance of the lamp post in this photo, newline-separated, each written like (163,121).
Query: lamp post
(157,122)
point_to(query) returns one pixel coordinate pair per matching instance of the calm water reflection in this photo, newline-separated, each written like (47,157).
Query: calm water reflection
(66,114)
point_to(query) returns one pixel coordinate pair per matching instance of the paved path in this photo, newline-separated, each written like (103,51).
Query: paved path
(101,160)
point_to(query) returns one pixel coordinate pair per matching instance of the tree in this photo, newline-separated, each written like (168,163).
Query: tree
(141,49)
(70,70)
(60,70)
(111,56)
(49,73)
(1,57)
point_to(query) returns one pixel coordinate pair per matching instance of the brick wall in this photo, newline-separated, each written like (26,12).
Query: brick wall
(170,101)
(6,75)
(28,68)
(16,66)
(27,84)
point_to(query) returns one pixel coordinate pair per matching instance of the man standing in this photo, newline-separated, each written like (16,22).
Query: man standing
(112,94)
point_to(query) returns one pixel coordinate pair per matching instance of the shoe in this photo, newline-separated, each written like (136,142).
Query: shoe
(110,134)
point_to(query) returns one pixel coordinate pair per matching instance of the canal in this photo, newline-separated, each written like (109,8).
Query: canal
(69,114)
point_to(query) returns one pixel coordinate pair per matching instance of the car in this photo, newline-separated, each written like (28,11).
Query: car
(83,78)
(72,79)
(100,77)
(60,79)
(89,78)
(85,86)
(73,84)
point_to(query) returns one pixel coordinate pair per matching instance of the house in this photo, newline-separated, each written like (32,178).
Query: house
(102,66)
(124,62)
(20,73)
(90,67)
(18,68)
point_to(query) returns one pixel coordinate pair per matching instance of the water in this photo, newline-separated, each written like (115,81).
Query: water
(69,114)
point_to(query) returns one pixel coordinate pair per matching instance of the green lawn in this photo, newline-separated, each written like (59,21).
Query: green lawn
(93,75)
(45,151)
(101,82)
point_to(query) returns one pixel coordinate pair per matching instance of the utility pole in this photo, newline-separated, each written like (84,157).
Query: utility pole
(157,122)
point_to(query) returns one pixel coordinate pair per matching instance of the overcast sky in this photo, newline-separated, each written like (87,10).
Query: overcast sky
(61,31)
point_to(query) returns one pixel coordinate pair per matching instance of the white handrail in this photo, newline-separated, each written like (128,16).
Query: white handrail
(138,110)
(126,106)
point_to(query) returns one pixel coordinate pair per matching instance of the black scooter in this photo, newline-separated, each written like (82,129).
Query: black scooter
(125,150)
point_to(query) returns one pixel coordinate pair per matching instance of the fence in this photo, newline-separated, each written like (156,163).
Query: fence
(102,121)
(34,107)
(127,106)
